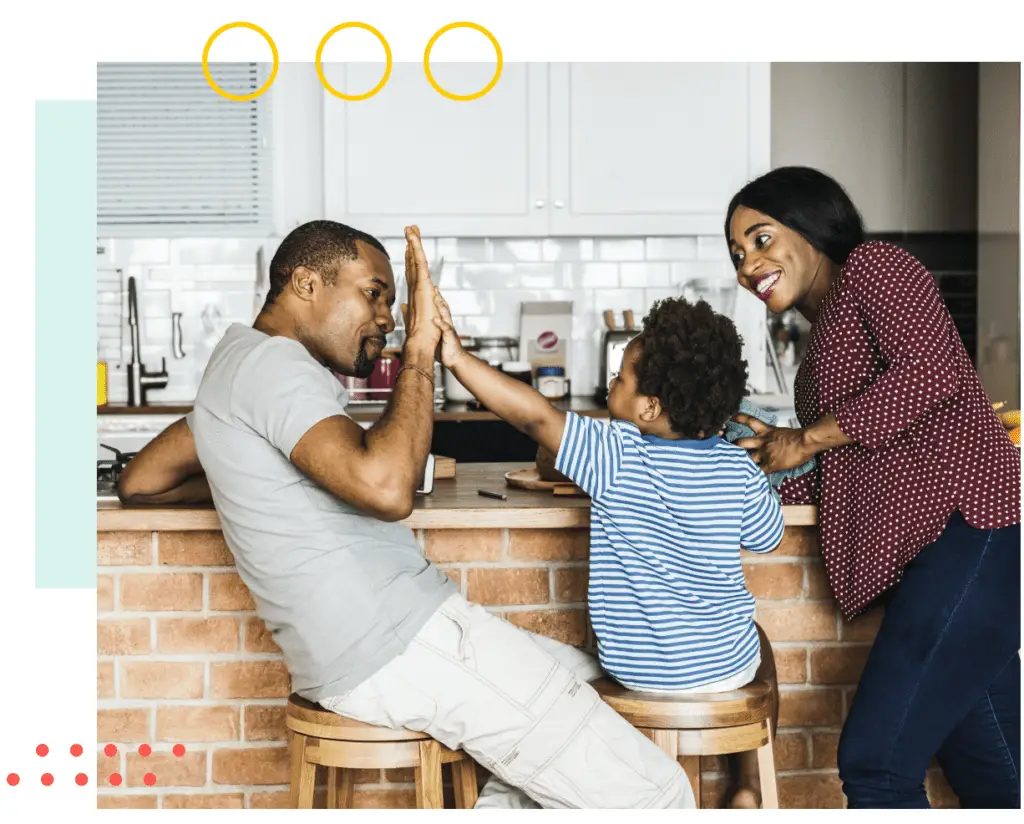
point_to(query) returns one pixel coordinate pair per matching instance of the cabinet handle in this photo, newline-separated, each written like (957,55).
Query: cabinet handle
(559,204)
(538,204)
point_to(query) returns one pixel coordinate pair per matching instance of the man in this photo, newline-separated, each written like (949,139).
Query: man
(309,504)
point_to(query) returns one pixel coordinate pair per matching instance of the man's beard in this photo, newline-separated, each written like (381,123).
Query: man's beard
(364,364)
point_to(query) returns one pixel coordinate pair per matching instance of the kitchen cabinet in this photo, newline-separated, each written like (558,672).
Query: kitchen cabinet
(901,138)
(460,168)
(554,149)
(846,120)
(654,148)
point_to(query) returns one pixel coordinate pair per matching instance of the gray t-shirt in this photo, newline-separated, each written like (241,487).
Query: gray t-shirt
(342,592)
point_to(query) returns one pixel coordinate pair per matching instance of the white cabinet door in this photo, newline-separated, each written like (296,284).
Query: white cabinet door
(409,155)
(654,148)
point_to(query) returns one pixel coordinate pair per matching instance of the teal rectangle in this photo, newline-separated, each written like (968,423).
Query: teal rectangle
(65,295)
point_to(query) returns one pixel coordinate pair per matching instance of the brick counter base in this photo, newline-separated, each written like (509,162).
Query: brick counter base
(183,659)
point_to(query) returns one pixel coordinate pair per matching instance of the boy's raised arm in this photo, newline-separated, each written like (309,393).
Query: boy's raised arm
(510,399)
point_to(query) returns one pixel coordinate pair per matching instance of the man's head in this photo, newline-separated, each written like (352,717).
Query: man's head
(684,375)
(332,287)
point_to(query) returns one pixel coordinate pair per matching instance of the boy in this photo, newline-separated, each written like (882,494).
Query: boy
(672,502)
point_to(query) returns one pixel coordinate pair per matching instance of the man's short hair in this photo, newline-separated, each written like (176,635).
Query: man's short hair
(320,245)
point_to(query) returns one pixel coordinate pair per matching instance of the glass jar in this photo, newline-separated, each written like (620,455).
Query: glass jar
(551,382)
(496,351)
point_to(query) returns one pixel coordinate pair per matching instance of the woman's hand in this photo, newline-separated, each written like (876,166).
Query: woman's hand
(774,448)
(451,345)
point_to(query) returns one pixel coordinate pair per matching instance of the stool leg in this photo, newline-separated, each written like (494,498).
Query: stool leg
(339,788)
(466,793)
(429,794)
(766,770)
(332,788)
(303,775)
(668,742)
(691,766)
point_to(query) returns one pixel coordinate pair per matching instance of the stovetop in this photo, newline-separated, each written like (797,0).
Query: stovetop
(106,491)
(108,472)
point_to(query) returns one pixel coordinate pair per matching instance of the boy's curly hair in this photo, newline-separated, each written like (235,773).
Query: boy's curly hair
(691,360)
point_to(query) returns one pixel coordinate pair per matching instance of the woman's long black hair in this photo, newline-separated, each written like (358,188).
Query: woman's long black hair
(810,203)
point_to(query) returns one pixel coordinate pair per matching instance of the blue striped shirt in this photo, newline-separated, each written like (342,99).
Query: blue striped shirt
(668,601)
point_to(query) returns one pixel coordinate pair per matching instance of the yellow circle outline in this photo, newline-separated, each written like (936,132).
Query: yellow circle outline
(434,83)
(320,65)
(206,61)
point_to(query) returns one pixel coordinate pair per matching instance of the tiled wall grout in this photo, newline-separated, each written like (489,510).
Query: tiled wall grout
(484,280)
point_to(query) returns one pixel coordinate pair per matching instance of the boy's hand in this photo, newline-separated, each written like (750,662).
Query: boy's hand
(451,347)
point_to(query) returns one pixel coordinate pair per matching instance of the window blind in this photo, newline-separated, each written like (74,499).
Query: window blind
(171,152)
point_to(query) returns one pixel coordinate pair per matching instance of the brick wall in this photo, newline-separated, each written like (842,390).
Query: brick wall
(184,660)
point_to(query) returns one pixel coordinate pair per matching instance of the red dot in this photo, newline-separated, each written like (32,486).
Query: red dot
(115,779)
(42,749)
(76,750)
(81,779)
(110,750)
(47,779)
(13,779)
(149,779)
(179,750)
(144,750)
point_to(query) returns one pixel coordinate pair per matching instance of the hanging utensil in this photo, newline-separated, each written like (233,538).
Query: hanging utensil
(260,286)
(176,338)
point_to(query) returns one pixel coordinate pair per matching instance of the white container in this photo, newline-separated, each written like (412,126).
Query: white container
(551,382)
(453,390)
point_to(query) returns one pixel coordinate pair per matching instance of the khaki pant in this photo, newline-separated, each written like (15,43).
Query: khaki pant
(520,704)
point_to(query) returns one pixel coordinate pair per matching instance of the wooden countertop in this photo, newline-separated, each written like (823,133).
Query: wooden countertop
(454,504)
(372,411)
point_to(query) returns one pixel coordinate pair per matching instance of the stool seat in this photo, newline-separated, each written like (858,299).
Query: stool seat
(687,726)
(311,719)
(668,711)
(321,738)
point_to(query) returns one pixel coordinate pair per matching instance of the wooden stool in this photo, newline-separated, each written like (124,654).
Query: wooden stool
(688,726)
(343,745)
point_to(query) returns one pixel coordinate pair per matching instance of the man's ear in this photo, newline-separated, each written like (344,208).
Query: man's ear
(652,409)
(305,283)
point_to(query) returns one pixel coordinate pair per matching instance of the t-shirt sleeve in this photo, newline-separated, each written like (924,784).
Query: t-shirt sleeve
(281,393)
(762,526)
(590,453)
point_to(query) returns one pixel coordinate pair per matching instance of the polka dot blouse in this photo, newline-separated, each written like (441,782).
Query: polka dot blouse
(886,359)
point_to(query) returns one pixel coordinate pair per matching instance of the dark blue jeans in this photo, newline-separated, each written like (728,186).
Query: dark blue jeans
(943,679)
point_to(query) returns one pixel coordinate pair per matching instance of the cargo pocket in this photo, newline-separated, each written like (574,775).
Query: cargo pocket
(500,655)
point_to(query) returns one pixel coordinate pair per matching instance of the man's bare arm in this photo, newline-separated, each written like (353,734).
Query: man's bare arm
(166,471)
(379,470)
(376,470)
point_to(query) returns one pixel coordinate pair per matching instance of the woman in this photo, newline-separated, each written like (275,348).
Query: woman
(918,488)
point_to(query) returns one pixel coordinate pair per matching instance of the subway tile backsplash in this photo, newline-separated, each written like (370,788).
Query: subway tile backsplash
(484,281)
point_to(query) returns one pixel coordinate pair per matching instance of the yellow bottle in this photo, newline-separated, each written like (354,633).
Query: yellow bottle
(101,383)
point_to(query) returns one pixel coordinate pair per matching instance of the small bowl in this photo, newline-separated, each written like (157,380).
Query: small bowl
(546,467)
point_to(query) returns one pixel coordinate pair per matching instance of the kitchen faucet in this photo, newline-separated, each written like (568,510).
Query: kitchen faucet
(139,380)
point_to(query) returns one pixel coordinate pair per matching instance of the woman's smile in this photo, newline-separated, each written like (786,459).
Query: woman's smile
(764,285)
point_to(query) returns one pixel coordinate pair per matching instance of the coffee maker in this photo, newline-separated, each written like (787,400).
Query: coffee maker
(612,349)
